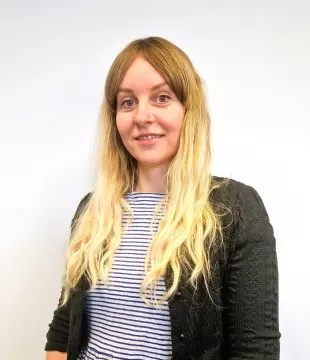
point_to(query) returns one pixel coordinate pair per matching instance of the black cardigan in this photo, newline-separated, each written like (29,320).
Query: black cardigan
(242,320)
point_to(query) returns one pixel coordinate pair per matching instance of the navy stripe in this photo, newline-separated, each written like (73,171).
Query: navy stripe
(108,356)
(110,323)
(117,349)
(132,319)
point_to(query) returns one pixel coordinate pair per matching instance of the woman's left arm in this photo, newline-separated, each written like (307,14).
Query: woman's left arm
(251,324)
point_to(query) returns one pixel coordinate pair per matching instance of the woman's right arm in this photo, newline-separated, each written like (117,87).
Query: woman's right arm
(58,333)
(55,355)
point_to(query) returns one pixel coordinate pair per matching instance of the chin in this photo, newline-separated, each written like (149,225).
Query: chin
(154,164)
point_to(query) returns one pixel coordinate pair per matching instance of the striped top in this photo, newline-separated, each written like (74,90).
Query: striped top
(120,324)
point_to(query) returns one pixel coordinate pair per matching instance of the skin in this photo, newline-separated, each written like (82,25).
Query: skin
(55,355)
(146,105)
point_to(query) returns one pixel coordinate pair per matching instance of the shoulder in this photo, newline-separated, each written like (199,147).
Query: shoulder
(80,207)
(245,205)
(249,233)
(85,199)
(232,192)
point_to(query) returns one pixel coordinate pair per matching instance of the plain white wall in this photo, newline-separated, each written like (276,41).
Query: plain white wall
(254,57)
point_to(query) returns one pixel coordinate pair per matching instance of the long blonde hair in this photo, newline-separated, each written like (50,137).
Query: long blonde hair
(190,229)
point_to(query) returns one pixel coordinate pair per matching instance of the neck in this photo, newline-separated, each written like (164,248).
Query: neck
(151,179)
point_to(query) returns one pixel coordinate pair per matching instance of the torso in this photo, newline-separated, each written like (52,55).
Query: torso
(119,323)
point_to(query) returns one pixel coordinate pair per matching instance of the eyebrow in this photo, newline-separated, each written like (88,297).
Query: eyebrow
(128,90)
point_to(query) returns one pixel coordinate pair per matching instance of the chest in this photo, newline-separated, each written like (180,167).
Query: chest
(196,321)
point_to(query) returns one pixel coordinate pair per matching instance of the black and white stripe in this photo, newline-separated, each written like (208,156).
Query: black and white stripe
(120,324)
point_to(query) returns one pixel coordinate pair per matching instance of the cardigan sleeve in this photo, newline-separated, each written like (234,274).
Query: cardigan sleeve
(58,333)
(250,318)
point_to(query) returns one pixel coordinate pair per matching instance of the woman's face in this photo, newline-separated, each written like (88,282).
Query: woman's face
(149,116)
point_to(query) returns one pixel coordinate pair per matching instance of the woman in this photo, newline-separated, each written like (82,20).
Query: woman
(165,261)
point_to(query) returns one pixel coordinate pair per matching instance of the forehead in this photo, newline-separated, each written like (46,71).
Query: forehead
(141,76)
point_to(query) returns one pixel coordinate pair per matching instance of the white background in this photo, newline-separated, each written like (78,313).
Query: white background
(254,57)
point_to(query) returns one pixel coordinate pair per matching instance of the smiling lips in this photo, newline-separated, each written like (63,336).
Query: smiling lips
(148,137)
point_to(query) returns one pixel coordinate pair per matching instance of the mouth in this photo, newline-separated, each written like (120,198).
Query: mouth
(148,137)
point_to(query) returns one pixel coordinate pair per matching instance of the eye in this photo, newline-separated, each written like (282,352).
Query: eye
(163,98)
(127,103)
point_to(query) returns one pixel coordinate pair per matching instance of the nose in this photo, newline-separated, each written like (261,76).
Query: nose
(144,114)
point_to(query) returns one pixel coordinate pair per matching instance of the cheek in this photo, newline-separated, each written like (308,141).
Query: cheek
(122,126)
(176,121)
(119,127)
